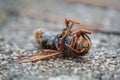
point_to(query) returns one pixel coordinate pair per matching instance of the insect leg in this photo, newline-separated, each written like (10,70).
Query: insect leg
(23,56)
(37,54)
(63,37)
(49,51)
(67,23)
(41,57)
(81,31)
(75,49)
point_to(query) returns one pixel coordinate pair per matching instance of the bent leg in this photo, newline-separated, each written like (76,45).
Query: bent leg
(41,57)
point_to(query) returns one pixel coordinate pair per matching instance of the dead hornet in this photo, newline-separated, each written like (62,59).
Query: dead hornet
(67,43)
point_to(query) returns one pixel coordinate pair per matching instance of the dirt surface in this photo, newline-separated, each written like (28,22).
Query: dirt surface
(17,38)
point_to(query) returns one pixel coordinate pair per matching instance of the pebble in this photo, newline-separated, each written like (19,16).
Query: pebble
(64,77)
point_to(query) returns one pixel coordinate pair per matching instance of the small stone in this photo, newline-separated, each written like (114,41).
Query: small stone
(64,77)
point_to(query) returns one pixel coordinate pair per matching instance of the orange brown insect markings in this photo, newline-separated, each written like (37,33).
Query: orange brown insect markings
(67,43)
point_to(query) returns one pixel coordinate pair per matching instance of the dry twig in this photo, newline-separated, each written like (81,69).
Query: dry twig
(100,3)
(58,19)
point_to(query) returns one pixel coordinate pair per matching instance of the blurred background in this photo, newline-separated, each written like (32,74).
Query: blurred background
(20,18)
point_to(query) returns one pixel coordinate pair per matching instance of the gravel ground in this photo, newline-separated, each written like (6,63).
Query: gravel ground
(102,62)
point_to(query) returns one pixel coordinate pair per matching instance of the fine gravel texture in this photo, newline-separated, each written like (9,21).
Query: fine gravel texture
(101,63)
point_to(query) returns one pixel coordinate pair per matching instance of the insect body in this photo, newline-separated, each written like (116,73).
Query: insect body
(67,43)
(46,40)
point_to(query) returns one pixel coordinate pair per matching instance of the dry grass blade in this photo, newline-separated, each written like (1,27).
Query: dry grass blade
(99,3)
(58,19)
